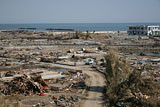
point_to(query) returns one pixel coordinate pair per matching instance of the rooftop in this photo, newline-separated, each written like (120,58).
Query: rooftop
(144,26)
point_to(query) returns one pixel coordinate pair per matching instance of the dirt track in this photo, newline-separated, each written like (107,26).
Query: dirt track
(96,86)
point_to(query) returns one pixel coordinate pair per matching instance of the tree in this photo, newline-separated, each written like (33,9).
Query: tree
(87,35)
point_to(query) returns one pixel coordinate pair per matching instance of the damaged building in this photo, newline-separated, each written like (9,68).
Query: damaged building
(144,30)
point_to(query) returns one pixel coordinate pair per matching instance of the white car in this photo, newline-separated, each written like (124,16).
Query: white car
(89,61)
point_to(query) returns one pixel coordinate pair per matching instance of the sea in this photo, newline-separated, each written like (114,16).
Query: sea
(70,27)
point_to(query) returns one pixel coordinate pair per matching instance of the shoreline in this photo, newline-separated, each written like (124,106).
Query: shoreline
(57,32)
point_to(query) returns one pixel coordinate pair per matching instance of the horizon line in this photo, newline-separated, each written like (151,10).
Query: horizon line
(82,23)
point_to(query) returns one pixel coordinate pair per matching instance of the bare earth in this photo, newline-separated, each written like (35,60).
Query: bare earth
(95,94)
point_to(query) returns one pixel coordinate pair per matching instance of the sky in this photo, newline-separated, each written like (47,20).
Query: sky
(79,11)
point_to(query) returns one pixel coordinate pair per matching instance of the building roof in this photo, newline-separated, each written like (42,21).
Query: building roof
(156,30)
(144,26)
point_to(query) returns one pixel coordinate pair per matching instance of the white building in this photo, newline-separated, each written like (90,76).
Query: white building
(143,30)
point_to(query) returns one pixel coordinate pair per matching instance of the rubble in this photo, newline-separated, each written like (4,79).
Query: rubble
(64,101)
(10,73)
(28,58)
(25,85)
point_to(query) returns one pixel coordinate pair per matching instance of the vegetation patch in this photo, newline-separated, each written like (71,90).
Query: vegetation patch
(126,86)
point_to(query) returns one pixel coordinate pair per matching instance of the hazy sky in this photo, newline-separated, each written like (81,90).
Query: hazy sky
(79,11)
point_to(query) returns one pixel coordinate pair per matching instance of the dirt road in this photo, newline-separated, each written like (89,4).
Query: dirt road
(96,86)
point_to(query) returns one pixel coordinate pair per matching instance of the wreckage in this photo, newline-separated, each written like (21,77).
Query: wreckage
(25,85)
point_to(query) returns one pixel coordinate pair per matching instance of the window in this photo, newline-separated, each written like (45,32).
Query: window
(145,28)
(142,33)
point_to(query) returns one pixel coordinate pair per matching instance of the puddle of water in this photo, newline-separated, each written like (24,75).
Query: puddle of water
(152,54)
(58,69)
(51,69)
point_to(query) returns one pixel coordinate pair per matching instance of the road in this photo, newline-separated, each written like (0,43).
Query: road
(96,85)
(96,88)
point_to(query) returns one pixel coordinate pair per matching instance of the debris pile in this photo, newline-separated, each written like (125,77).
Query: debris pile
(10,73)
(25,85)
(49,60)
(79,85)
(64,101)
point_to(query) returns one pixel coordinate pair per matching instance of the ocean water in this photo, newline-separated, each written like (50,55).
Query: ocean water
(75,26)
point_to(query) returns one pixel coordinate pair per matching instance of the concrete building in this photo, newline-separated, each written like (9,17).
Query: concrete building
(143,30)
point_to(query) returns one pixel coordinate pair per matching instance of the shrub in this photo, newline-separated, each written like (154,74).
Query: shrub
(127,87)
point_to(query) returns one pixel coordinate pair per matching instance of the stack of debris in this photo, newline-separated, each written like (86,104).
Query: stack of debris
(79,85)
(64,101)
(25,85)
(10,73)
(47,59)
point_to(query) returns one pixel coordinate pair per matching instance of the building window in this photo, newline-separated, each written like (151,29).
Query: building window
(145,28)
(142,33)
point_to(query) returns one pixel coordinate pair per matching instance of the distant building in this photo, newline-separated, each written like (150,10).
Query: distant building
(143,30)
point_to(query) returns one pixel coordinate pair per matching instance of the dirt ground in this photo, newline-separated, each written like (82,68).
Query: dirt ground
(96,88)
